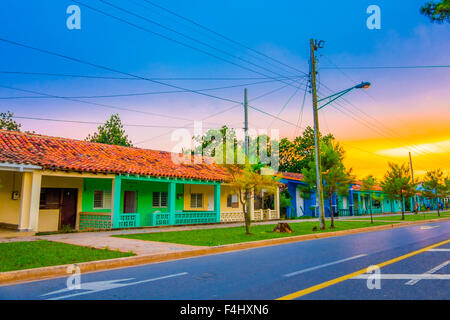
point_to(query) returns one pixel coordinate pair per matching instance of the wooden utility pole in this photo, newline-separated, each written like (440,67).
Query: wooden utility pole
(246,126)
(248,194)
(319,189)
(412,177)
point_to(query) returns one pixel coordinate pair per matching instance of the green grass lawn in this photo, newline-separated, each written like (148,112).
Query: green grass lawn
(221,236)
(35,254)
(410,217)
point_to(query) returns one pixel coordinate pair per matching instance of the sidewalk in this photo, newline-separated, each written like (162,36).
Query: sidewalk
(103,239)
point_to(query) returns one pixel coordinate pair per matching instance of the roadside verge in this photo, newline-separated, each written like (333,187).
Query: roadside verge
(85,267)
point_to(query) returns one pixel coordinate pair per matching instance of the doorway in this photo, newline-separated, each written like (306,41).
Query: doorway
(130,202)
(68,208)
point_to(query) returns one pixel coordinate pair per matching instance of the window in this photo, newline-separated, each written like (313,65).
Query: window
(102,199)
(196,200)
(232,201)
(50,198)
(159,199)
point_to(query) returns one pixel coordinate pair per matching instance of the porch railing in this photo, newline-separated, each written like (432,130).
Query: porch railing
(184,217)
(95,221)
(159,219)
(343,212)
(129,220)
(196,217)
(232,216)
(258,215)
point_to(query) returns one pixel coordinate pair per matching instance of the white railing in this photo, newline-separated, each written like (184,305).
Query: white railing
(232,216)
(258,215)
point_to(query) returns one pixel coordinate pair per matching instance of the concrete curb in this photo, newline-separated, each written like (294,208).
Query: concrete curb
(85,267)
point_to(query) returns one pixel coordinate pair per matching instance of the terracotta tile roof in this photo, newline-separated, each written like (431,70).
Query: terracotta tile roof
(56,153)
(357,186)
(292,176)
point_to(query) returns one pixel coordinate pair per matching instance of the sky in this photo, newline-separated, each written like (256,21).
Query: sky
(405,110)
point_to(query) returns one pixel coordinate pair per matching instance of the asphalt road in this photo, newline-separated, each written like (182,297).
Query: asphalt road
(276,271)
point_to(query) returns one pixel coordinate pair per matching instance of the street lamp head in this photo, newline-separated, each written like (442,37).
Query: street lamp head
(363,85)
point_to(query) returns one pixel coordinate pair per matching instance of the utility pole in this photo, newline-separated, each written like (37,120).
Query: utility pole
(412,177)
(319,193)
(248,193)
(246,125)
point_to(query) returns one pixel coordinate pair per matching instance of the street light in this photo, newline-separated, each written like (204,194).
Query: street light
(337,95)
(333,97)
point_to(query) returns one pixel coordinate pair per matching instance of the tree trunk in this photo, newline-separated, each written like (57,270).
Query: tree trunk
(370,208)
(245,211)
(403,209)
(438,205)
(331,211)
(282,227)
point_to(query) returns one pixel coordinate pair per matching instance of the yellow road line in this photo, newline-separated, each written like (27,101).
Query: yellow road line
(356,273)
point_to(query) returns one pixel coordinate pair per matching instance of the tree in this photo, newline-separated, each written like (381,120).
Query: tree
(367,184)
(437,11)
(398,184)
(336,179)
(447,190)
(246,180)
(227,146)
(111,132)
(434,185)
(7,122)
(298,153)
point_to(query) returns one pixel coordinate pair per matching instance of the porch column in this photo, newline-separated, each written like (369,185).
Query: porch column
(350,200)
(116,195)
(171,202)
(29,201)
(292,188)
(359,203)
(35,198)
(277,202)
(217,201)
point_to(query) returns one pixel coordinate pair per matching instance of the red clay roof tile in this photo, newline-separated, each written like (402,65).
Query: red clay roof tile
(75,155)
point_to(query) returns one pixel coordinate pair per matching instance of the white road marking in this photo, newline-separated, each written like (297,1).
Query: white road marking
(437,268)
(98,286)
(441,250)
(323,265)
(428,227)
(422,276)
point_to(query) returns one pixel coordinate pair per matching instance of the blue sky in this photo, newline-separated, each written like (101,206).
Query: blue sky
(280,29)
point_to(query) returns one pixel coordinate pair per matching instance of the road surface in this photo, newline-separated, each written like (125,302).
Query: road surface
(302,270)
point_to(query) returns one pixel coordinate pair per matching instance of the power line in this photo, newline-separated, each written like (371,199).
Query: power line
(221,35)
(418,149)
(113,70)
(221,112)
(285,105)
(132,78)
(368,125)
(99,104)
(387,67)
(363,112)
(300,115)
(174,40)
(132,94)
(95,123)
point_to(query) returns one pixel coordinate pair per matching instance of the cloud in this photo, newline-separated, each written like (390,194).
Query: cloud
(419,149)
